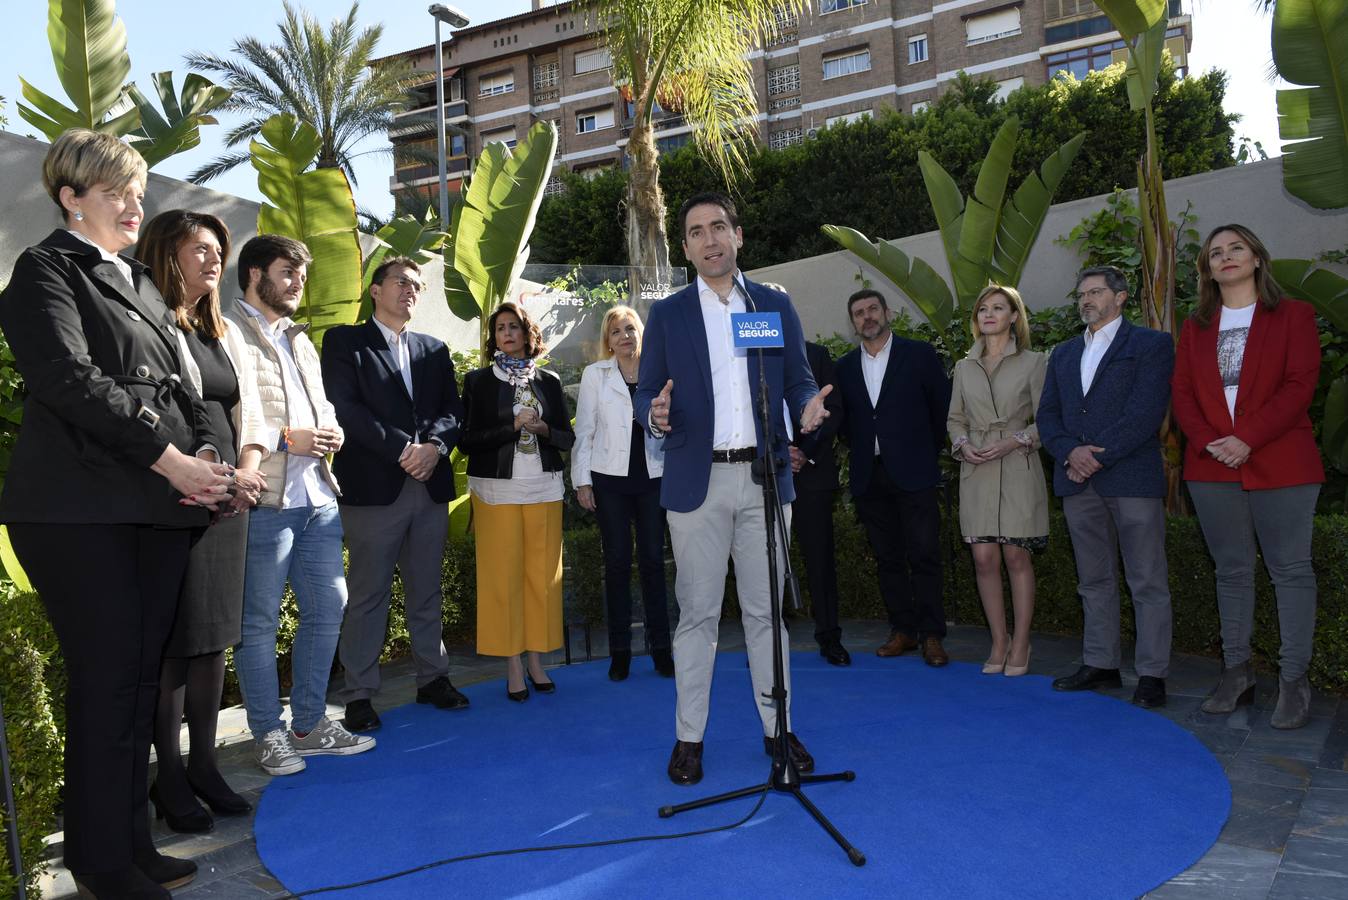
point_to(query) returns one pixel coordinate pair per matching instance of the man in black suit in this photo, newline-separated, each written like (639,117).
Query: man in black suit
(896,396)
(816,479)
(397,401)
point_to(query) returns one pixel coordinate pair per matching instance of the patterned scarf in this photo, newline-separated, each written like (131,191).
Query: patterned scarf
(519,372)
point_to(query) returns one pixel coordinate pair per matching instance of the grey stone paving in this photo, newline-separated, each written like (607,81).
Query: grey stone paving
(1286,839)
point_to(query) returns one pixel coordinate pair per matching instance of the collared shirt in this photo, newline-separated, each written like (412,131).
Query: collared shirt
(113,258)
(402,355)
(731,396)
(304,481)
(873,372)
(1097,344)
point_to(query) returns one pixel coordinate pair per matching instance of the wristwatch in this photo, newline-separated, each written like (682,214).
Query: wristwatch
(440,447)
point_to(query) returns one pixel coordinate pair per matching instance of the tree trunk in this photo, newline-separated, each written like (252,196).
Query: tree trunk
(647,240)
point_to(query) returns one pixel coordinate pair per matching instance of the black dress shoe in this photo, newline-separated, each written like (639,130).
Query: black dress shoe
(800,757)
(685,763)
(619,664)
(543,687)
(664,662)
(1150,692)
(1088,678)
(360,716)
(194,820)
(168,872)
(441,694)
(218,796)
(127,884)
(836,654)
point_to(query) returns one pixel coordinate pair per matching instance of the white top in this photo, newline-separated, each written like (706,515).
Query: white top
(397,343)
(731,397)
(604,427)
(873,372)
(1232,333)
(304,481)
(1097,344)
(528,483)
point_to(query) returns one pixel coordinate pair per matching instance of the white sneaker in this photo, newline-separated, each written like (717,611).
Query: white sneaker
(276,755)
(329,738)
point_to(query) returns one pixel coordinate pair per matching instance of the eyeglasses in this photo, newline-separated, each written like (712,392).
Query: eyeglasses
(1092,294)
(404,283)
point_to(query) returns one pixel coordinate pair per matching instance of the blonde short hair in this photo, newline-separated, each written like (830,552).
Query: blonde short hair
(616,312)
(80,159)
(1020,328)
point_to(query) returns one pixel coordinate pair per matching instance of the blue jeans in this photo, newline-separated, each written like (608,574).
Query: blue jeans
(304,545)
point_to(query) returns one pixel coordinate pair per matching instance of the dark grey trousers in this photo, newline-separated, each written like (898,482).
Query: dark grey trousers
(1280,520)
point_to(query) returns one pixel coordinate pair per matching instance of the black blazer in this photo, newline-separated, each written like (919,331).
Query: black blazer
(489,433)
(364,385)
(99,361)
(909,417)
(821,474)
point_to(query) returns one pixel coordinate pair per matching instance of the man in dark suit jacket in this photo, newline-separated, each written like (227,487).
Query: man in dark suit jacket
(397,401)
(896,396)
(1105,396)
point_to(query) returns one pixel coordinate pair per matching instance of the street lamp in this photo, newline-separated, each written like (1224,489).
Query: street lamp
(454,19)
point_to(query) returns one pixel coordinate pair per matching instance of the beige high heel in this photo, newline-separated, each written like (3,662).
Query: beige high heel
(1012,671)
(992,668)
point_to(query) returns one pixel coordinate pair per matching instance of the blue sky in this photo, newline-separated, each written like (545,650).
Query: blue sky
(1229,34)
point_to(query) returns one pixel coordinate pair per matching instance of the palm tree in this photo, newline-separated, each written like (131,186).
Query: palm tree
(688,56)
(323,78)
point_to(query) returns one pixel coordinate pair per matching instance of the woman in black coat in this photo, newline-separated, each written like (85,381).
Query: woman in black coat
(516,427)
(104,490)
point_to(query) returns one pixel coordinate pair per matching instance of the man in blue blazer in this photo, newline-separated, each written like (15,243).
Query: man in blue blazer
(896,396)
(1105,396)
(397,401)
(702,393)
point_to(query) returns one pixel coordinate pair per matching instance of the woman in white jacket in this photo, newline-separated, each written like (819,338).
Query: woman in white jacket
(615,468)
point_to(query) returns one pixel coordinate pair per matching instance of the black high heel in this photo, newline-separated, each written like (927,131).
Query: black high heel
(194,822)
(517,696)
(546,687)
(230,804)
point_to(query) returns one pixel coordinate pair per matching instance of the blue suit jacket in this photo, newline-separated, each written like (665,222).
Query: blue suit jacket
(366,389)
(674,345)
(1122,412)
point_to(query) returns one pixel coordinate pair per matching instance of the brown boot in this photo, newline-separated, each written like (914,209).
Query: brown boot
(897,645)
(934,653)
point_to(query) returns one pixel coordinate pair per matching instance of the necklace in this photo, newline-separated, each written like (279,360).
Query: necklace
(630,379)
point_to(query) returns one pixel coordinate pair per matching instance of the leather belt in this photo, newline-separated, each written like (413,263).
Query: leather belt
(738,455)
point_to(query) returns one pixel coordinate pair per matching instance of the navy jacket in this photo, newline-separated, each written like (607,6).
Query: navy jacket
(364,385)
(1122,412)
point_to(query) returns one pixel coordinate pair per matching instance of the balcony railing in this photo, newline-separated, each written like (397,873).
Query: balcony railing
(550,95)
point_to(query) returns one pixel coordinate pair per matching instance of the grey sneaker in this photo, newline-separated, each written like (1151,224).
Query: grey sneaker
(276,755)
(329,738)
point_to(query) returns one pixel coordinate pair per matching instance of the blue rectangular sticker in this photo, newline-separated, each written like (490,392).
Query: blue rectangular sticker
(757,329)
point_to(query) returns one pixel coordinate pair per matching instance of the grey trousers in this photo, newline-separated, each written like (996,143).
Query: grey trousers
(1281,520)
(410,533)
(728,524)
(1101,528)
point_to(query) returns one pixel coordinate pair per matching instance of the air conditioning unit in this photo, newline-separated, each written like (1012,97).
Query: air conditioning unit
(812,133)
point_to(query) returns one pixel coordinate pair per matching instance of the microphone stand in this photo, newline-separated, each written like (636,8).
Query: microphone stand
(783,776)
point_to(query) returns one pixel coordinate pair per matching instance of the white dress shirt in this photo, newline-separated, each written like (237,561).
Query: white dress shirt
(402,355)
(113,258)
(731,396)
(1097,344)
(873,372)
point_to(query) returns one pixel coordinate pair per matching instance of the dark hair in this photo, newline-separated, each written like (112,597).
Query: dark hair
(1114,278)
(381,271)
(708,198)
(160,240)
(260,252)
(532,335)
(862,295)
(1210,293)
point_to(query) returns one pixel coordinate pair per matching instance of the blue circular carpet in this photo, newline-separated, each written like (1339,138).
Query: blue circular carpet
(966,786)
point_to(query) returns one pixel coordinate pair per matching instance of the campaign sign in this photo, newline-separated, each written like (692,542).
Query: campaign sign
(757,329)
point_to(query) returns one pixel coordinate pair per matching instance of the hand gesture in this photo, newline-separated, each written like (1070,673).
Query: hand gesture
(524,417)
(1231,451)
(585,497)
(201,483)
(798,459)
(1082,463)
(248,487)
(313,442)
(660,407)
(814,413)
(419,460)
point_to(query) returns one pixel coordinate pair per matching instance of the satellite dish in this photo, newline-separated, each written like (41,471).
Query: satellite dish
(813,132)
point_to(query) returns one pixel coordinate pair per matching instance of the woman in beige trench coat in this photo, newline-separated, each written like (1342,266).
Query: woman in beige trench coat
(1003,498)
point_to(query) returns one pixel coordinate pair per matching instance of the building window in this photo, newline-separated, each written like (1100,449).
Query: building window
(502,135)
(846,117)
(785,138)
(547,75)
(593,60)
(594,120)
(849,62)
(1007,85)
(554,187)
(669,144)
(1068,9)
(832,6)
(1083,60)
(992,26)
(493,85)
(917,49)
(784,80)
(920,105)
(458,145)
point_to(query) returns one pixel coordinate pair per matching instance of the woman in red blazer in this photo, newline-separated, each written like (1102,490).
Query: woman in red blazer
(1246,368)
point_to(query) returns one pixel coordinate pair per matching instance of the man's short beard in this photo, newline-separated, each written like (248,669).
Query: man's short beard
(274,299)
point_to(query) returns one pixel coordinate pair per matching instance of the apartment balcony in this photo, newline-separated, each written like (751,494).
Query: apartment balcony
(415,176)
(417,121)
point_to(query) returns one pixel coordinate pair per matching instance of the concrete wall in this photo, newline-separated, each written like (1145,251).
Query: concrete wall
(1251,194)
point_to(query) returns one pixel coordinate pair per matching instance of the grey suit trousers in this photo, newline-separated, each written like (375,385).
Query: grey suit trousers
(409,533)
(728,524)
(1101,528)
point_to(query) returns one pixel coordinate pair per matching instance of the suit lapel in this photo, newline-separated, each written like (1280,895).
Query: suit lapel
(1207,373)
(385,356)
(691,305)
(1254,345)
(1120,338)
(614,383)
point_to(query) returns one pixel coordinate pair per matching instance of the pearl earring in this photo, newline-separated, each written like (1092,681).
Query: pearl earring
(79,216)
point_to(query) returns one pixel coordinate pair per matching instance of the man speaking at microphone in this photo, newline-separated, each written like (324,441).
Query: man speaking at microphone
(699,391)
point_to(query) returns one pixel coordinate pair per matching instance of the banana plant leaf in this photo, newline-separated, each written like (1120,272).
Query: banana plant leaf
(1134,17)
(10,561)
(178,128)
(1327,291)
(88,46)
(1024,213)
(910,274)
(407,236)
(1310,48)
(948,204)
(314,206)
(1144,65)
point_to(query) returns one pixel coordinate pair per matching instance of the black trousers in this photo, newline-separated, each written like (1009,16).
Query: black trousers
(812,521)
(618,514)
(904,529)
(111,593)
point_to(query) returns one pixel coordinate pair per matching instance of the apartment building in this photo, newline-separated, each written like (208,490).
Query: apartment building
(838,61)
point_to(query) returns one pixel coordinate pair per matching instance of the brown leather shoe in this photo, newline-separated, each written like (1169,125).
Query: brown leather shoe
(897,645)
(934,653)
(685,763)
(804,762)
